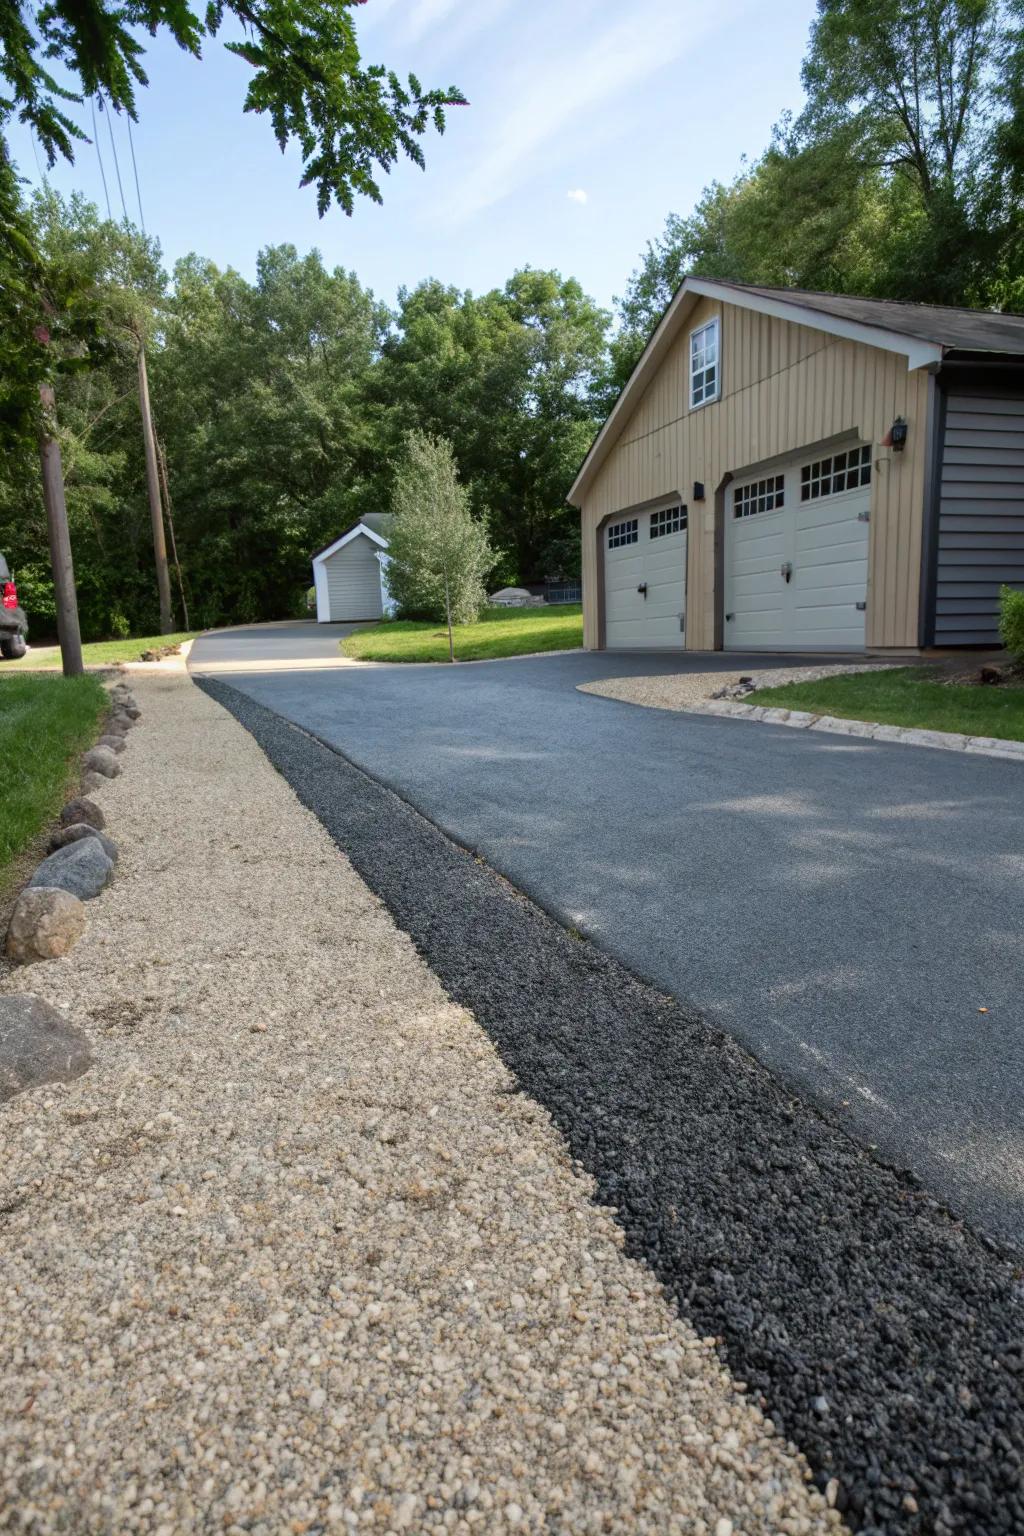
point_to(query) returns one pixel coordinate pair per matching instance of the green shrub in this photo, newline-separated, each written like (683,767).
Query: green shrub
(1011,620)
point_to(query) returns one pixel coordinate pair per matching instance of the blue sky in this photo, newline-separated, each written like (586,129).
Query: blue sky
(589,121)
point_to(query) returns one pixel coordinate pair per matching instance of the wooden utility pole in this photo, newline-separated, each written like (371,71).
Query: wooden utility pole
(162,458)
(163,577)
(68,631)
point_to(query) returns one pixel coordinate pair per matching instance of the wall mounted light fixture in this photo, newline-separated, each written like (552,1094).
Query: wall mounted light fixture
(698,490)
(898,435)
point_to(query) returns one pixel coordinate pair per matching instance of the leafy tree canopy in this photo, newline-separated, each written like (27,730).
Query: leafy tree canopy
(348,119)
(901,178)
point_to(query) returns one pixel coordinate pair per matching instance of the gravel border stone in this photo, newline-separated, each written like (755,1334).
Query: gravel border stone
(880,1333)
(297,1255)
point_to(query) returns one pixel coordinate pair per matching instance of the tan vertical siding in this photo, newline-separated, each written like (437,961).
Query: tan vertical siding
(784,386)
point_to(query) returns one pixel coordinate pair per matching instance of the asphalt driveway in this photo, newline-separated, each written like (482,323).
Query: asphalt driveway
(843,908)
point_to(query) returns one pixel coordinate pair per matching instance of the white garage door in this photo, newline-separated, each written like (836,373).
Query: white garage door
(645,580)
(796,556)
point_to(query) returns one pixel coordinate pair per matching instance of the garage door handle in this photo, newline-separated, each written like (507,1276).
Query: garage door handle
(786,570)
(643,588)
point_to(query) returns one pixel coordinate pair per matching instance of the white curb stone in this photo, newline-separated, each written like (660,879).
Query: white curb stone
(870,730)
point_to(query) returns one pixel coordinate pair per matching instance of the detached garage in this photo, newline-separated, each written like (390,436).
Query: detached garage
(350,574)
(807,472)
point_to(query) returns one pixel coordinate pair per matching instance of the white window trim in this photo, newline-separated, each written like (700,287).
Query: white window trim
(715,324)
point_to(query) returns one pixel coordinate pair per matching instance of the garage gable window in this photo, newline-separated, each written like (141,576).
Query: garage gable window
(704,364)
(624,533)
(671,520)
(841,472)
(760,496)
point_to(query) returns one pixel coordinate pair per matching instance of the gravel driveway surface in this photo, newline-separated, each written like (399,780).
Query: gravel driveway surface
(882,1335)
(295,1255)
(842,907)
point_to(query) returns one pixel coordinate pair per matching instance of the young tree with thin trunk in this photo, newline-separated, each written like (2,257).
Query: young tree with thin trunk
(438,554)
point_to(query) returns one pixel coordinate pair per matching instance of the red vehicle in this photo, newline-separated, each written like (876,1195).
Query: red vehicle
(13,623)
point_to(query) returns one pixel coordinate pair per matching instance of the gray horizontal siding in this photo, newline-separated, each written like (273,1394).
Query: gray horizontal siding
(981,514)
(353,581)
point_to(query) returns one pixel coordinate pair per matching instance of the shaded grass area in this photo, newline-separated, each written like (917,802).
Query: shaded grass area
(499,632)
(45,722)
(102,653)
(909,696)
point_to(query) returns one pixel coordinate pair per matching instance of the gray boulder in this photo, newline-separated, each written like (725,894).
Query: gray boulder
(45,924)
(82,868)
(115,743)
(37,1045)
(91,781)
(78,830)
(81,809)
(102,760)
(117,725)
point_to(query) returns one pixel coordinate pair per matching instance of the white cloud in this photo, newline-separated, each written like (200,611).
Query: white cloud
(425,15)
(561,81)
(577,195)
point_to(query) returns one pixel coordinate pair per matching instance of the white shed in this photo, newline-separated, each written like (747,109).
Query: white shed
(350,574)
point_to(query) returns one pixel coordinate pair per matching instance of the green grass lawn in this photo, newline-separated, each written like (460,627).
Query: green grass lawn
(100,653)
(907,696)
(499,632)
(45,722)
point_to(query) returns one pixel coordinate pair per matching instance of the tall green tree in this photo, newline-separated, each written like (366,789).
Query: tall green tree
(259,393)
(512,379)
(438,552)
(109,292)
(901,178)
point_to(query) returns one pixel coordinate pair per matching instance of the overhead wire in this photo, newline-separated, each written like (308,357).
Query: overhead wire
(35,152)
(99,156)
(117,167)
(135,170)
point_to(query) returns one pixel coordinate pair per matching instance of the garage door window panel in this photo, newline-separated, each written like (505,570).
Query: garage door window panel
(768,495)
(704,372)
(670,520)
(627,532)
(836,474)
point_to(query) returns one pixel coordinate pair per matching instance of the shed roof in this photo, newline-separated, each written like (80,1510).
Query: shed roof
(377,522)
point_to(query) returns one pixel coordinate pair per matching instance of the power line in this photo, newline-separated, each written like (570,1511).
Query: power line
(35,153)
(117,167)
(135,169)
(96,141)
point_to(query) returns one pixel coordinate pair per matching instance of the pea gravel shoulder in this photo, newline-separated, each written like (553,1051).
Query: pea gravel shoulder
(294,1255)
(879,1333)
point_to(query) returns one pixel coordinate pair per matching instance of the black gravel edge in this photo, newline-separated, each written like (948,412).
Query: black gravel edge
(882,1336)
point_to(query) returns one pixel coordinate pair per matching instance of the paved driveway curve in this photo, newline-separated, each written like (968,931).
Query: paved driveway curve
(844,908)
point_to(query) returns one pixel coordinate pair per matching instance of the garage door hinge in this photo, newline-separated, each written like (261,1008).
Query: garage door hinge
(862,607)
(863,517)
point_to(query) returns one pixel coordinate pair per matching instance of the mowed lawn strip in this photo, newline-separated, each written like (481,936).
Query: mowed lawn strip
(45,722)
(102,653)
(499,632)
(909,696)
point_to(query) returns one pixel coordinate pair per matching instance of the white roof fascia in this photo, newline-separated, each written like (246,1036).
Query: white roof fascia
(919,354)
(346,538)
